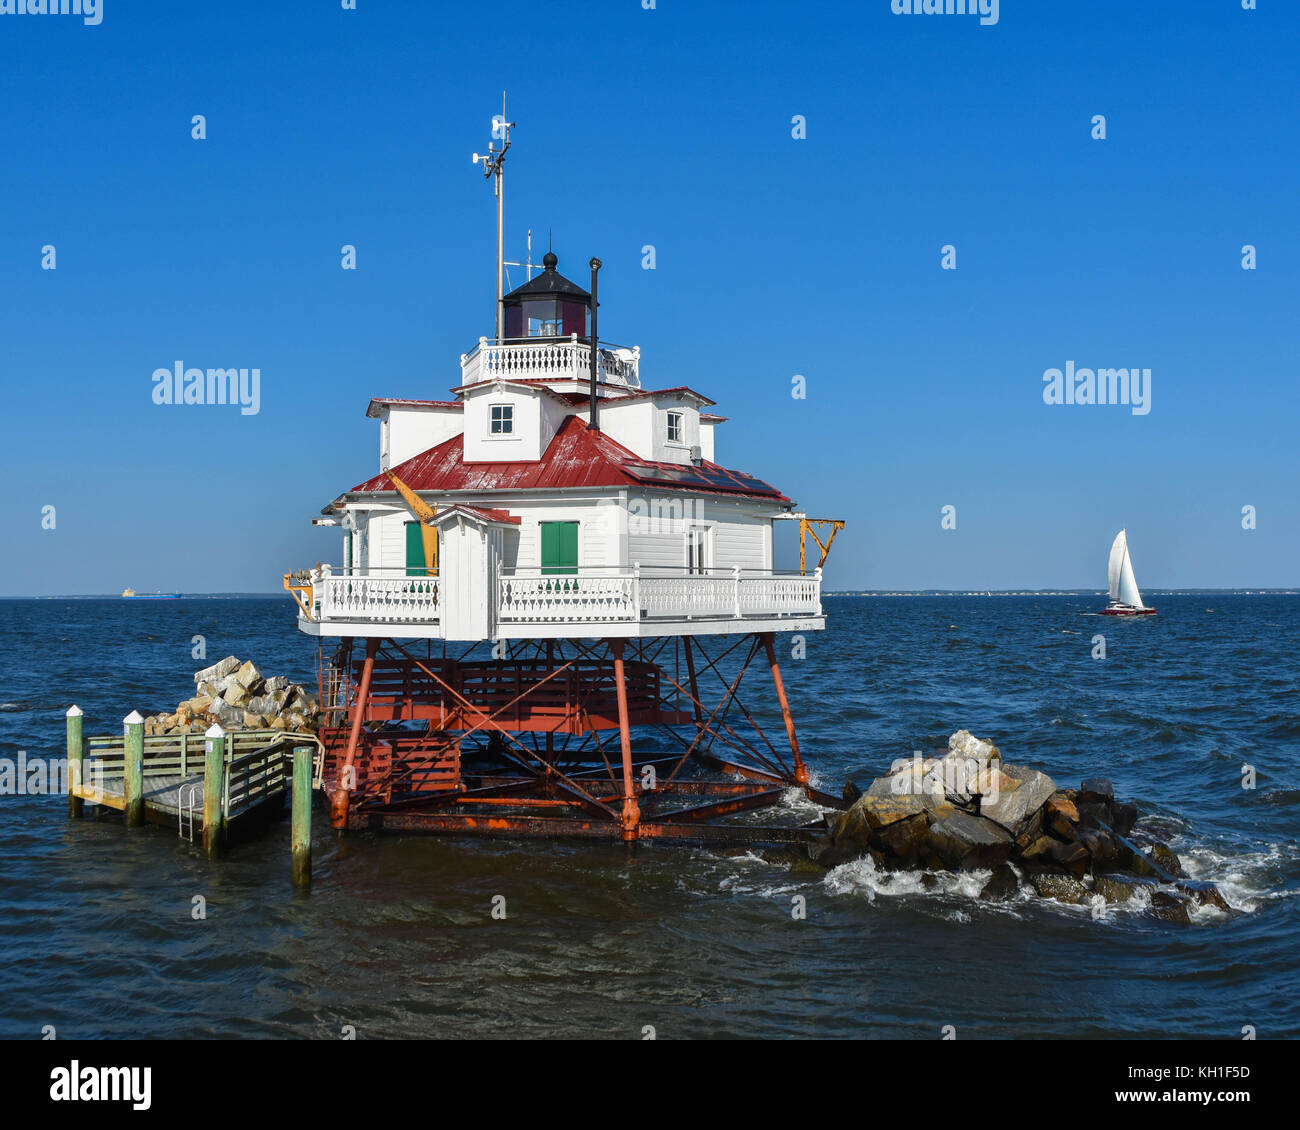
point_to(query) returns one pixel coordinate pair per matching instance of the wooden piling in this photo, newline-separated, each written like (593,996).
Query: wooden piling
(214,772)
(76,759)
(133,769)
(301,835)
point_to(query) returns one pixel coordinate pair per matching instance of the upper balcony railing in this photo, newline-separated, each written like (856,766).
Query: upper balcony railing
(551,359)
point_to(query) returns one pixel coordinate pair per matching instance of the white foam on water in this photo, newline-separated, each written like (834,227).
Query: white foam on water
(862,877)
(1245,879)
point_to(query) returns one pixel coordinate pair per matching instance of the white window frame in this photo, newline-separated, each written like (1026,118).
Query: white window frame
(701,536)
(680,441)
(507,417)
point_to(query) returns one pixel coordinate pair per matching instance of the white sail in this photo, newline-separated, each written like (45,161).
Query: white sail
(1122,584)
(1118,552)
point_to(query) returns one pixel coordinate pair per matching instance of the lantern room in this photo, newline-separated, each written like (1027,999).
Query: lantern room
(549,306)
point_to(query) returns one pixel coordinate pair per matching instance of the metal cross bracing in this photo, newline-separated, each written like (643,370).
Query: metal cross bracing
(520,743)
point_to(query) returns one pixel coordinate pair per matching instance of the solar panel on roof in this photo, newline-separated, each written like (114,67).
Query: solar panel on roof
(709,478)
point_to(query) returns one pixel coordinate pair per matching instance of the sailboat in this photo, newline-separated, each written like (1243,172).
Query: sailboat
(1125,599)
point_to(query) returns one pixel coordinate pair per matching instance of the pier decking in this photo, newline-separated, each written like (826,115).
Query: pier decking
(257,770)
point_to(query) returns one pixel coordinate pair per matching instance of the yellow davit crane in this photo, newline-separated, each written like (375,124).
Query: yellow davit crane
(299,584)
(827,527)
(424,512)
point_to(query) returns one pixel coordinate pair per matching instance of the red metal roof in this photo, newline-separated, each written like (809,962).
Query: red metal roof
(482,513)
(576,457)
(647,392)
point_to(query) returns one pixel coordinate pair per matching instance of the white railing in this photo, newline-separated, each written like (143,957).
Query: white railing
(566,359)
(538,599)
(599,595)
(608,595)
(387,595)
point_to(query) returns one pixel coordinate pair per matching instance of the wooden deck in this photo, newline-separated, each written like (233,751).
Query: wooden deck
(258,770)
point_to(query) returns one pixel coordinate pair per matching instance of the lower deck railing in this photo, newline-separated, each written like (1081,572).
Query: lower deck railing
(587,596)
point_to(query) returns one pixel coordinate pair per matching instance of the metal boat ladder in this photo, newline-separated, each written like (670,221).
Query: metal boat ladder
(185,802)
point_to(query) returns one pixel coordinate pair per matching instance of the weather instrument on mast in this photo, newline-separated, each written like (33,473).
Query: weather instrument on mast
(493,162)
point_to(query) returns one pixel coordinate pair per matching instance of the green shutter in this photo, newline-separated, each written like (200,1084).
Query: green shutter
(415,566)
(347,551)
(559,547)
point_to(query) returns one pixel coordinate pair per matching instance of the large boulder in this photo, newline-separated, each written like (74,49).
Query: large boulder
(1063,888)
(236,695)
(966,779)
(902,843)
(965,744)
(1096,790)
(1114,888)
(227,666)
(1020,793)
(1039,850)
(869,813)
(914,777)
(1204,893)
(1072,858)
(963,842)
(1061,816)
(231,717)
(1103,848)
(1170,907)
(264,704)
(249,677)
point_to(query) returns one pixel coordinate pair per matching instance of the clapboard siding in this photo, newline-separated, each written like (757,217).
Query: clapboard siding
(652,528)
(598,525)
(657,528)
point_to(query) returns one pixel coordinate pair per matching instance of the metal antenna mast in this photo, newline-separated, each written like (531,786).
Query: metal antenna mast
(494,166)
(528,263)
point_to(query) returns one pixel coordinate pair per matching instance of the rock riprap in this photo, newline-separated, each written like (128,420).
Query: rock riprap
(968,810)
(239,697)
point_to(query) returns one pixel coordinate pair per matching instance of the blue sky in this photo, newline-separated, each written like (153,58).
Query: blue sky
(775,257)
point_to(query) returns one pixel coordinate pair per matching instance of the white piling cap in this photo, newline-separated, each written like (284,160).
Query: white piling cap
(74,711)
(133,719)
(214,731)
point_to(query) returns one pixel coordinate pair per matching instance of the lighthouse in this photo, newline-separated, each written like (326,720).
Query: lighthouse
(553,601)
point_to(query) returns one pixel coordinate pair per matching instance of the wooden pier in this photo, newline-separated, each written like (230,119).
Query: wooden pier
(203,785)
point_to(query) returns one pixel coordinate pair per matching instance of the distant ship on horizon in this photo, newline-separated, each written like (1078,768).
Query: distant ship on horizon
(130,594)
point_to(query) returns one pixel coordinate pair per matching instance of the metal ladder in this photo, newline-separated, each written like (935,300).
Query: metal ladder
(185,802)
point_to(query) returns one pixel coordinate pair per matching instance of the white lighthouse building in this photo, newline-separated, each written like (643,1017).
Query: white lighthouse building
(651,534)
(566,511)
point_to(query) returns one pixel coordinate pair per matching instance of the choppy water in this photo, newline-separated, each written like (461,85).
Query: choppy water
(396,937)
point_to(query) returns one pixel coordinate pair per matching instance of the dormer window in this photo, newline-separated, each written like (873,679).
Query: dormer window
(675,428)
(503,420)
